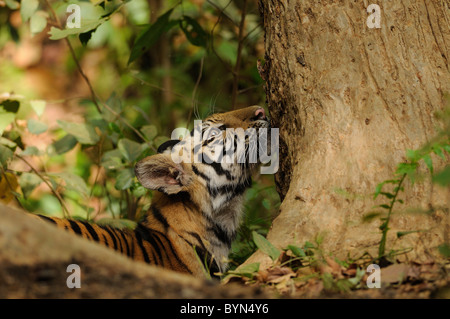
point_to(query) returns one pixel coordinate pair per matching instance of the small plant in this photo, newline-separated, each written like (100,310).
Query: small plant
(296,266)
(438,146)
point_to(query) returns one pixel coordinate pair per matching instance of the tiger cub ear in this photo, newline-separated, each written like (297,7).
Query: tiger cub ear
(160,172)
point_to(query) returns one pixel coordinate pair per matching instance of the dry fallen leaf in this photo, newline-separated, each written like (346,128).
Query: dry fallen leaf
(279,274)
(398,273)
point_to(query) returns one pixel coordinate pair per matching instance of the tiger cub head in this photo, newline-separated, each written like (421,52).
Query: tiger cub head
(214,163)
(207,171)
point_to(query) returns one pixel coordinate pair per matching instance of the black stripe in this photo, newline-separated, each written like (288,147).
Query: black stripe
(175,255)
(149,237)
(230,189)
(126,242)
(91,231)
(105,240)
(187,241)
(206,142)
(219,232)
(212,270)
(75,227)
(115,232)
(142,233)
(159,217)
(219,169)
(155,236)
(47,218)
(141,246)
(197,236)
(205,257)
(197,148)
(167,145)
(109,231)
(198,173)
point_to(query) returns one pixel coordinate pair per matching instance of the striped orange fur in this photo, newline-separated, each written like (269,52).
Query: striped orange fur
(197,206)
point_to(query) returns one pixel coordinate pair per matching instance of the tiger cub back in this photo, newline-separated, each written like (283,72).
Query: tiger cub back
(197,206)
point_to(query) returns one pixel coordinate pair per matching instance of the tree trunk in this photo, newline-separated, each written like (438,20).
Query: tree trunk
(349,101)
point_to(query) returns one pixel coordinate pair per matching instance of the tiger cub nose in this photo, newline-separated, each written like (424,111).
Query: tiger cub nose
(260,114)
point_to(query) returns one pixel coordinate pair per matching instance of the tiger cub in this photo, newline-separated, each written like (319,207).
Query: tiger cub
(197,207)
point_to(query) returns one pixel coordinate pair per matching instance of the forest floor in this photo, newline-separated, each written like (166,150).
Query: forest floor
(330,279)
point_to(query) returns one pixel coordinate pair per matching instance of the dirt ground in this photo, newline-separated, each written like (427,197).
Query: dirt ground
(330,280)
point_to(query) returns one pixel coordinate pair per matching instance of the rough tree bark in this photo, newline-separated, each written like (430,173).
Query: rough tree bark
(349,101)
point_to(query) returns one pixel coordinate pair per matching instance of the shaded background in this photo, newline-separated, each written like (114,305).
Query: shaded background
(64,155)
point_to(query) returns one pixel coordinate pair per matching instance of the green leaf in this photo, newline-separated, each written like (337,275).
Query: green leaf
(266,203)
(86,25)
(404,233)
(443,177)
(406,168)
(139,191)
(149,131)
(28,182)
(379,187)
(7,142)
(30,150)
(428,162)
(112,163)
(113,127)
(358,276)
(5,155)
(83,132)
(11,106)
(38,106)
(309,245)
(115,104)
(130,149)
(247,270)
(194,32)
(444,249)
(38,22)
(27,9)
(13,5)
(297,251)
(396,189)
(14,137)
(370,216)
(124,179)
(413,155)
(112,153)
(265,246)
(388,195)
(437,150)
(151,34)
(112,159)
(73,182)
(36,127)
(63,145)
(86,36)
(227,51)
